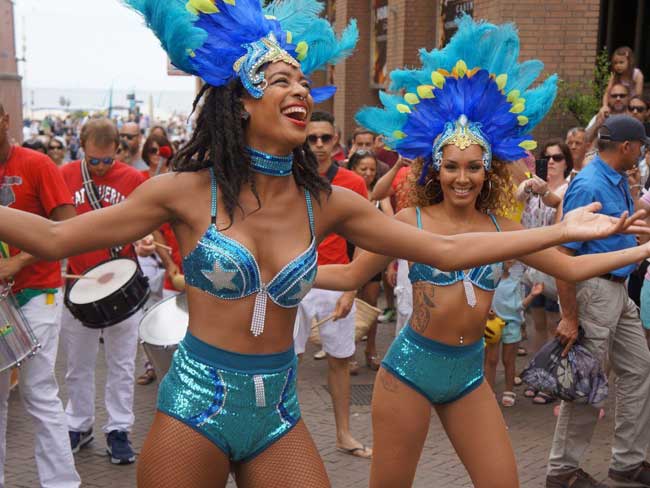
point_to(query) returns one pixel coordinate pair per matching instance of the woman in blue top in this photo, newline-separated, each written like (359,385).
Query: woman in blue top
(462,114)
(249,209)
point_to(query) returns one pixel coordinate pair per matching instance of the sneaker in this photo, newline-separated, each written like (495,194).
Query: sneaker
(119,447)
(639,475)
(320,355)
(79,439)
(388,315)
(573,479)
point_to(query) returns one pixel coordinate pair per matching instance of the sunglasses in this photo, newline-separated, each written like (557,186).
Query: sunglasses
(313,139)
(55,148)
(636,108)
(130,137)
(618,95)
(555,157)
(96,161)
(153,150)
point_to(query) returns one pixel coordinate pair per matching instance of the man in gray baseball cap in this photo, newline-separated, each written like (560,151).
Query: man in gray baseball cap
(610,320)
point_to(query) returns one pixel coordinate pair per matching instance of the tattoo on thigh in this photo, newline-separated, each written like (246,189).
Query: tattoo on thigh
(422,303)
(389,382)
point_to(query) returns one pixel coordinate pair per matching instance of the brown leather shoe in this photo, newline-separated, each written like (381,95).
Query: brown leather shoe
(640,475)
(146,378)
(573,479)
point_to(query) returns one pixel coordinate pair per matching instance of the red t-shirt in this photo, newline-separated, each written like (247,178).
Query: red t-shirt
(31,182)
(333,249)
(113,188)
(170,239)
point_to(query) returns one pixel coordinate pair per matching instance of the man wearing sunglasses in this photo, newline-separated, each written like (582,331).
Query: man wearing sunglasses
(610,321)
(337,335)
(130,133)
(114,181)
(617,100)
(29,181)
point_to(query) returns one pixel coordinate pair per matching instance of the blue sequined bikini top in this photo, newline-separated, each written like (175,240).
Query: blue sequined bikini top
(225,268)
(485,277)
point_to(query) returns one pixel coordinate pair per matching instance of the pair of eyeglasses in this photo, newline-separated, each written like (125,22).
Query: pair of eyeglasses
(636,108)
(96,161)
(55,148)
(313,138)
(555,157)
(618,95)
(130,137)
(154,150)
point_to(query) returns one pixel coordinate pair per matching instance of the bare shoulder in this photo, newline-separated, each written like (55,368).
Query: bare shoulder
(407,215)
(508,225)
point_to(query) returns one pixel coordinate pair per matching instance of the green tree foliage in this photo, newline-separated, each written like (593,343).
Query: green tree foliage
(583,98)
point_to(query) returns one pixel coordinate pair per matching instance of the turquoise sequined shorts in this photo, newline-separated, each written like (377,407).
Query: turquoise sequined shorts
(243,403)
(440,372)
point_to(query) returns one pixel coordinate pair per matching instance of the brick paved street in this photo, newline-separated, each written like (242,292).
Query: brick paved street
(531,428)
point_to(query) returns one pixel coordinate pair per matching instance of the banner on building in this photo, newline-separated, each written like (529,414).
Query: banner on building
(449,12)
(379,44)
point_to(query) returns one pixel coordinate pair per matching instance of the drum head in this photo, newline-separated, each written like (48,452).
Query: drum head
(108,278)
(165,323)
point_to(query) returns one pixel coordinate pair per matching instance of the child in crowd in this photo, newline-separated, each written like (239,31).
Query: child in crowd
(625,72)
(508,305)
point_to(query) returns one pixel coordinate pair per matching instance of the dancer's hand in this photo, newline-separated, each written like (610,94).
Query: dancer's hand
(584,224)
(567,334)
(9,267)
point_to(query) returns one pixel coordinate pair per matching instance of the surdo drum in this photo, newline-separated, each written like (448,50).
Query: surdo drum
(108,293)
(162,328)
(17,340)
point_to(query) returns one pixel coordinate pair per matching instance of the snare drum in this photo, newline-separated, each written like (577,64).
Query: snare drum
(162,328)
(108,293)
(17,340)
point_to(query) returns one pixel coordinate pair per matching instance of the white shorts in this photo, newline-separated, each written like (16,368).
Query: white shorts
(337,337)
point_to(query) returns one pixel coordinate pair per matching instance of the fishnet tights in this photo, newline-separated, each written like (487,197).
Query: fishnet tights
(176,456)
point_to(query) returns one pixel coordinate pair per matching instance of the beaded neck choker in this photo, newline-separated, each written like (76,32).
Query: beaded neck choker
(270,165)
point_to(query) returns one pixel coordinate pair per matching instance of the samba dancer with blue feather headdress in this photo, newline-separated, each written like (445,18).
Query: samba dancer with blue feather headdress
(461,116)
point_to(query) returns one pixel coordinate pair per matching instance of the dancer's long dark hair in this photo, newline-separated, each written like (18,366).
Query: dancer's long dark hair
(218,141)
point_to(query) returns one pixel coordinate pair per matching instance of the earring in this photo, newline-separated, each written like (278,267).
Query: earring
(245,116)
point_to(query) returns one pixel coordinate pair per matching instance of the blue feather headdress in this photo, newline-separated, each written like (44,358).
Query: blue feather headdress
(220,40)
(473,91)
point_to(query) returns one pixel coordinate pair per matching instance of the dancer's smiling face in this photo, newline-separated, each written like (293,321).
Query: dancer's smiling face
(278,121)
(462,174)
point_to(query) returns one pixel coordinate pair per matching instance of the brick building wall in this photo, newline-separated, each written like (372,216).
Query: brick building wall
(561,33)
(10,87)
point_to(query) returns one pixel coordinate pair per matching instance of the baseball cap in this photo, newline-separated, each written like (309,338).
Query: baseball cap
(619,128)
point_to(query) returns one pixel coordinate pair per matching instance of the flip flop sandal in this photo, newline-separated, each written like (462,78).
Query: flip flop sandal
(542,398)
(521,351)
(508,398)
(361,452)
(530,393)
(518,381)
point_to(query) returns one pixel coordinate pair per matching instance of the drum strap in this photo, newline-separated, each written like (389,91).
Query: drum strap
(94,199)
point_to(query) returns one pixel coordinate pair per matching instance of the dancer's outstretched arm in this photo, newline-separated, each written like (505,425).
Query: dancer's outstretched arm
(143,212)
(578,268)
(358,220)
(352,276)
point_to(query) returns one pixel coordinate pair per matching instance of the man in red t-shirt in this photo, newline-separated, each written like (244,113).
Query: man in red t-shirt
(337,336)
(114,181)
(31,182)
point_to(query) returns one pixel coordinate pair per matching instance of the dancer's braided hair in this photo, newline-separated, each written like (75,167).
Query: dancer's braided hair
(218,142)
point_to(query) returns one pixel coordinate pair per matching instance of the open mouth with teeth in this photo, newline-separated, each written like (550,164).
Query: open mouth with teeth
(296,114)
(461,192)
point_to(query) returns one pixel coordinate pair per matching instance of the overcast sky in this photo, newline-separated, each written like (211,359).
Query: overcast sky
(90,44)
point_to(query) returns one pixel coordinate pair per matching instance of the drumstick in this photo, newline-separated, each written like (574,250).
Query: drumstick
(322,321)
(163,246)
(78,277)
